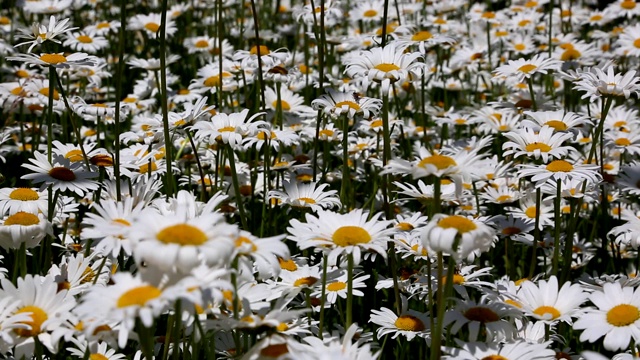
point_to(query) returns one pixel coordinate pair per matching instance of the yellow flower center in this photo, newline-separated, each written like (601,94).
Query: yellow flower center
(488,15)
(62,173)
(460,223)
(182,234)
(370,13)
(439,161)
(285,105)
(103,25)
(24,194)
(531,212)
(288,265)
(326,132)
(243,240)
(307,200)
(547,310)
(409,323)
(336,286)
(263,50)
(138,296)
(350,104)
(623,315)
(623,142)
(274,350)
(481,314)
(84,39)
(212,81)
(97,356)
(386,67)
(494,357)
(227,129)
(202,44)
(504,198)
(524,22)
(570,54)
(537,146)
(45,92)
(511,230)
(628,5)
(53,59)
(404,226)
(350,236)
(38,317)
(557,125)
(421,36)
(151,26)
(305,281)
(88,275)
(74,155)
(559,166)
(520,47)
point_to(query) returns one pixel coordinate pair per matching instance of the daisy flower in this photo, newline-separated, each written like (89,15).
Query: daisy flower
(13,200)
(150,24)
(57,60)
(616,317)
(559,170)
(349,233)
(41,33)
(558,120)
(457,235)
(515,350)
(86,41)
(335,103)
(23,228)
(410,323)
(47,307)
(227,128)
(546,303)
(179,242)
(385,65)
(492,317)
(306,195)
(110,225)
(290,102)
(346,348)
(597,83)
(528,209)
(261,253)
(62,174)
(96,350)
(337,287)
(128,299)
(524,69)
(544,144)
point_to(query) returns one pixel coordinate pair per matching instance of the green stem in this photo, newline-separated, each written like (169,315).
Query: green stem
(349,291)
(558,220)
(536,234)
(168,146)
(236,187)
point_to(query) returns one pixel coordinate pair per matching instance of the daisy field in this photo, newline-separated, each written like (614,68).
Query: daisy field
(319,179)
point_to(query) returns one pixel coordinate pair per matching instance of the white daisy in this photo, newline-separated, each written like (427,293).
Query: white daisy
(61,173)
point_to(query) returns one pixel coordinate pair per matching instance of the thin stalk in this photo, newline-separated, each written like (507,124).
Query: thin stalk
(349,320)
(256,26)
(533,95)
(536,234)
(344,188)
(169,184)
(236,187)
(558,220)
(322,296)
